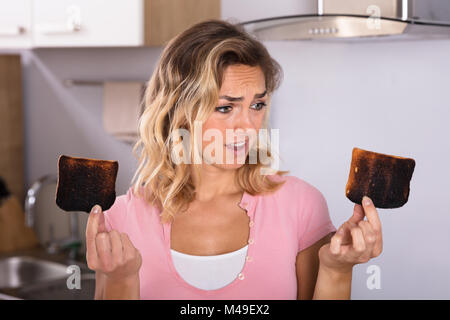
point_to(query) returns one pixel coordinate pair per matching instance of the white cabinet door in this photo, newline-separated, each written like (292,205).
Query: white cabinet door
(85,23)
(15,23)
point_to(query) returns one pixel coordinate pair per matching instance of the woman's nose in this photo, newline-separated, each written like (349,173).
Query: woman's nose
(244,120)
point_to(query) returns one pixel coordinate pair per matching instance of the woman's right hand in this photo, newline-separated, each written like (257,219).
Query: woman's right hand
(110,252)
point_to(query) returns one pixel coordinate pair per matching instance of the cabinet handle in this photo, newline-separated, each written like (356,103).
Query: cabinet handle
(50,29)
(12,31)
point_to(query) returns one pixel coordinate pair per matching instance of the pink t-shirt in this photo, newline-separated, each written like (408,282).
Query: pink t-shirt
(281,224)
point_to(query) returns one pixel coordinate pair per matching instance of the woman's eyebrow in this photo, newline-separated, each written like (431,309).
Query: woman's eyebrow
(257,96)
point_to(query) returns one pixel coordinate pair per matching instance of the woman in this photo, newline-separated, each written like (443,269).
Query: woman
(215,229)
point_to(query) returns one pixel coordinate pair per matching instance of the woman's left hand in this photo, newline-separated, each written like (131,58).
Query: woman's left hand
(356,241)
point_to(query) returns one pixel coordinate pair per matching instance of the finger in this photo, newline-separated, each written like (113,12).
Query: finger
(126,242)
(103,245)
(376,237)
(371,214)
(369,236)
(346,234)
(101,221)
(358,214)
(336,241)
(91,233)
(96,222)
(374,219)
(358,243)
(129,251)
(116,247)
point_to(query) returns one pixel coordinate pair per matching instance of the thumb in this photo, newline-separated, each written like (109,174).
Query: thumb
(358,214)
(101,221)
(95,223)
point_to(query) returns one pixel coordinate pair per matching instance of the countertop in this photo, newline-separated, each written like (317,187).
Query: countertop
(41,253)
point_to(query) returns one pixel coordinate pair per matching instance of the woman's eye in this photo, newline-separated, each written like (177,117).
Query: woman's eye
(224,109)
(259,105)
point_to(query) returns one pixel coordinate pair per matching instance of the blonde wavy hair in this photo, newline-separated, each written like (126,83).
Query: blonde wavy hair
(184,88)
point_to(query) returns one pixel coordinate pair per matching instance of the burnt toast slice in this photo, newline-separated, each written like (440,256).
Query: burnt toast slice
(83,183)
(383,178)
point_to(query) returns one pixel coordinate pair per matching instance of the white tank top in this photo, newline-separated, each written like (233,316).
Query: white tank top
(209,272)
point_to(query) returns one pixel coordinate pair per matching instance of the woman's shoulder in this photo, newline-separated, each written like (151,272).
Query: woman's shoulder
(307,207)
(295,186)
(296,194)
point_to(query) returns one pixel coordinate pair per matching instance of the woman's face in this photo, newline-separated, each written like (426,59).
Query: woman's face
(240,110)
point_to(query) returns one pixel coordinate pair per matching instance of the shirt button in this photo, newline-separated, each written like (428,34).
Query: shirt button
(251,224)
(250,241)
(241,276)
(249,258)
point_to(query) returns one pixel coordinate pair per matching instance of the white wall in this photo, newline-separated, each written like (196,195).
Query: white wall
(387,97)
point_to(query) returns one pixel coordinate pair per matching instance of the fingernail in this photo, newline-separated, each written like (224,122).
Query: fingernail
(367,201)
(96,209)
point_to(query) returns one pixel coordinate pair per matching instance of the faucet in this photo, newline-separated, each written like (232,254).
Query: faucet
(73,242)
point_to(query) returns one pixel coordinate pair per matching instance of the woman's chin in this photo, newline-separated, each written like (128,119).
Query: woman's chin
(231,166)
(228,165)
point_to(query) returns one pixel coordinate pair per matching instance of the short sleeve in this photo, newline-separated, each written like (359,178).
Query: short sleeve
(115,216)
(314,220)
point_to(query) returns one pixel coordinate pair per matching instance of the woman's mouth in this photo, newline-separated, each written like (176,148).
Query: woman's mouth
(238,147)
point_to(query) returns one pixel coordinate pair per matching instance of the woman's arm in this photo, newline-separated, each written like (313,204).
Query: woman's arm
(307,267)
(316,281)
(125,289)
(99,285)
(333,285)
(329,262)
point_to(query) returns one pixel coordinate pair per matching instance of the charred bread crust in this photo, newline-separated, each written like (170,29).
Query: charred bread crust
(83,183)
(383,178)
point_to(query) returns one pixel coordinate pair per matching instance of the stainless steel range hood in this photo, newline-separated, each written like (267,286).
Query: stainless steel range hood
(417,19)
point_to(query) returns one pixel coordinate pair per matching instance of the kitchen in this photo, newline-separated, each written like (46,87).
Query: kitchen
(382,92)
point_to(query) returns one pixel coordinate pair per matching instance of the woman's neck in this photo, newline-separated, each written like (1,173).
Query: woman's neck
(215,182)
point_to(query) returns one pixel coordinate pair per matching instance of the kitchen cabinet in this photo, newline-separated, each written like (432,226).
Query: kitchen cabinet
(101,23)
(11,124)
(15,24)
(73,23)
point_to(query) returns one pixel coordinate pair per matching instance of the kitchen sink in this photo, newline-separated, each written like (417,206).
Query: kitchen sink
(58,290)
(33,278)
(19,271)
